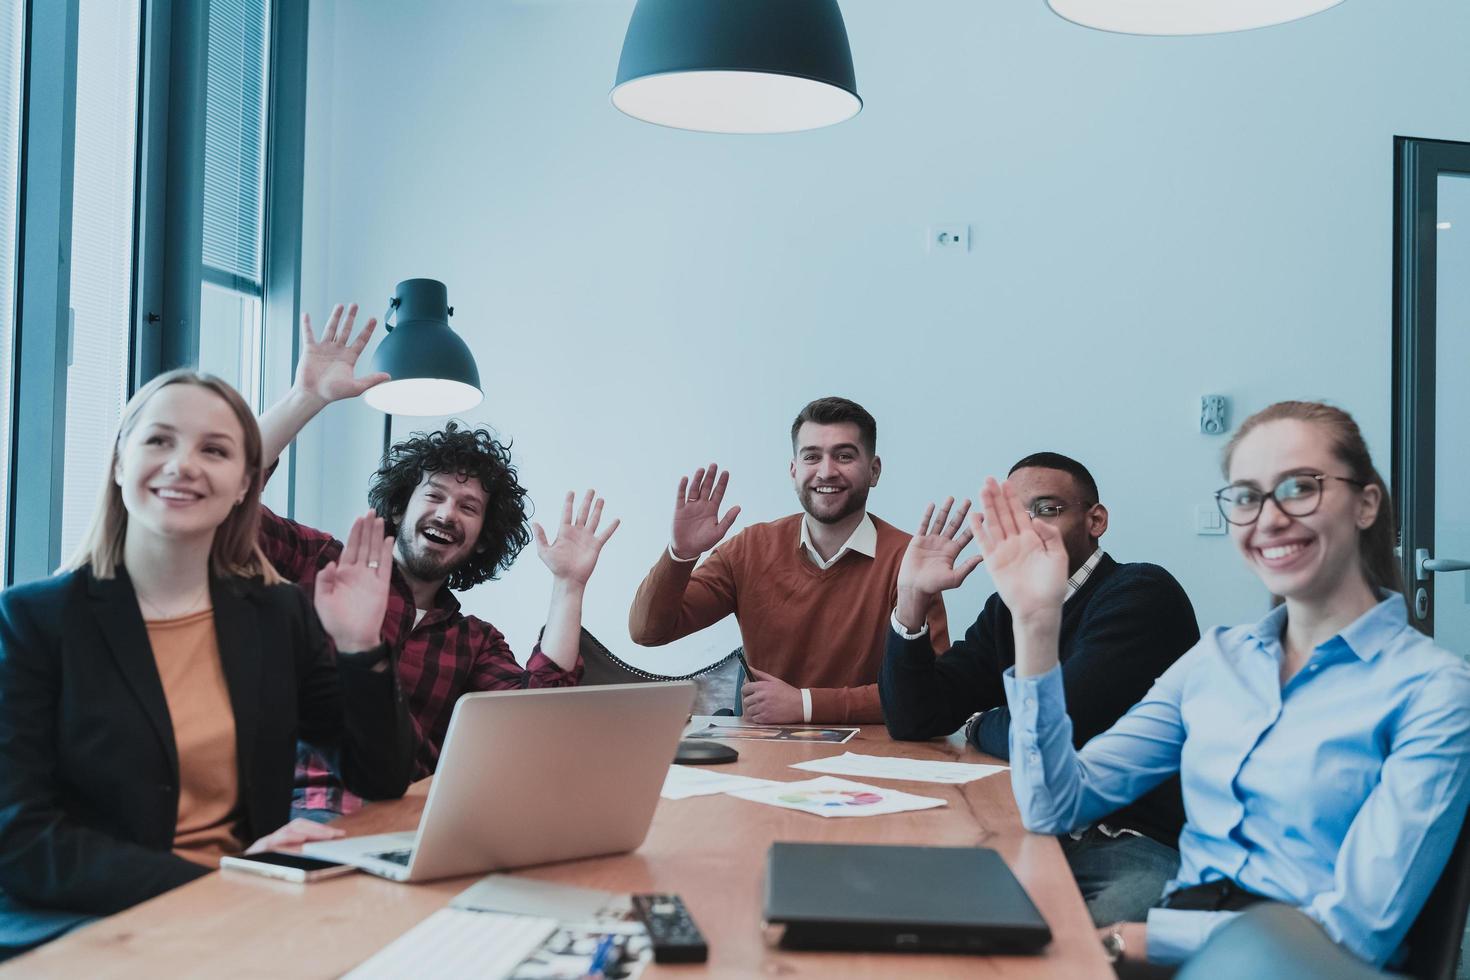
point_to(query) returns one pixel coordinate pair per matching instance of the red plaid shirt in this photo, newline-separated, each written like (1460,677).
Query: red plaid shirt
(447,654)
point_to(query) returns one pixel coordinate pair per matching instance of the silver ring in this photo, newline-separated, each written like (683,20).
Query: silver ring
(372,564)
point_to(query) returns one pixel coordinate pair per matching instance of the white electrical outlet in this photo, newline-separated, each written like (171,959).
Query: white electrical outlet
(949,238)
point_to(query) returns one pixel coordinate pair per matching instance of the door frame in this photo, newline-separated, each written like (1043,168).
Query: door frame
(1417,166)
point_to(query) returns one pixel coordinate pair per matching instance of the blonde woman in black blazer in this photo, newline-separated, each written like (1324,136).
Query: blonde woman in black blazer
(89,769)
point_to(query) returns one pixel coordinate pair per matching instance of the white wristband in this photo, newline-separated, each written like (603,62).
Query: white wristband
(806,704)
(677,558)
(903,632)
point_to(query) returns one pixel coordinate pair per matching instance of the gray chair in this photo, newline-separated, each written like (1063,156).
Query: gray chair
(717,685)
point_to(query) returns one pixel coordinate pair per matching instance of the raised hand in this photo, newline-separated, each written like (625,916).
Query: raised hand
(352,592)
(573,555)
(327,368)
(697,524)
(929,563)
(1025,557)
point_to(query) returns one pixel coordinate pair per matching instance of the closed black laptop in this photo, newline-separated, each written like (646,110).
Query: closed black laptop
(878,897)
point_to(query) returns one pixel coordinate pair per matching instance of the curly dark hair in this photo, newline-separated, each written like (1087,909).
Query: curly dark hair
(466,452)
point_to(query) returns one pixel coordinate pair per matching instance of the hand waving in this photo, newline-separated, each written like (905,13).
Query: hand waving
(573,555)
(352,592)
(697,524)
(327,366)
(1025,557)
(929,564)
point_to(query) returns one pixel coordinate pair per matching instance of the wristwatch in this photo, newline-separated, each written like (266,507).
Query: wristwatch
(1113,945)
(971,726)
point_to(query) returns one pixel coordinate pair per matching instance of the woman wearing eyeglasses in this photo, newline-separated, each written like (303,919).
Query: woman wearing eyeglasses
(152,694)
(1323,751)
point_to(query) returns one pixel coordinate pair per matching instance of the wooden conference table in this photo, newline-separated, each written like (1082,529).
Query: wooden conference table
(709,849)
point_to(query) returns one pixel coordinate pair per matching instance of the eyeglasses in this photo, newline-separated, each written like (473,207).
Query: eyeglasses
(1050,508)
(1295,496)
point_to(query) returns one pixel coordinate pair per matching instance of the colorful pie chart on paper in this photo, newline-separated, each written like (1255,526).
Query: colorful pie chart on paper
(828,796)
(832,797)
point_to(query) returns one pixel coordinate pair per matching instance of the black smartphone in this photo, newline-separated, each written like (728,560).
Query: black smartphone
(289,867)
(745,664)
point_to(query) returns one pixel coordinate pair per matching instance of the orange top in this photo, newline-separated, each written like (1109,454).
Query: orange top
(187,654)
(814,628)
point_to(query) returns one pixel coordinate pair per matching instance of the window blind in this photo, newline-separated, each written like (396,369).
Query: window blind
(234,142)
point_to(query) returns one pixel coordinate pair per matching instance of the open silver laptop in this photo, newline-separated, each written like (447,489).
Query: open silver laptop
(529,777)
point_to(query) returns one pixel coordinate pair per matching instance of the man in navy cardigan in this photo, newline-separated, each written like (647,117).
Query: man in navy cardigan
(1122,626)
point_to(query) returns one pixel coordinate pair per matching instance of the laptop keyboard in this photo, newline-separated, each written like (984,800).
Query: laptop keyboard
(396,857)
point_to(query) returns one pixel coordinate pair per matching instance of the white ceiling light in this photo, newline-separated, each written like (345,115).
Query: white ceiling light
(1175,17)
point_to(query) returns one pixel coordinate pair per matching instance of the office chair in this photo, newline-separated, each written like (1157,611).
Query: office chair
(717,685)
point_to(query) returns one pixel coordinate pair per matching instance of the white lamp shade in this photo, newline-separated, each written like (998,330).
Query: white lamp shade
(423,396)
(735,101)
(1175,17)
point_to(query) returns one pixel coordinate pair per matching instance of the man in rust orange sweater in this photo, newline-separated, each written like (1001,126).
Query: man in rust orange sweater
(812,592)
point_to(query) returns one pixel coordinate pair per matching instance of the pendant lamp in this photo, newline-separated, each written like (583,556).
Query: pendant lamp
(1185,16)
(432,369)
(737,66)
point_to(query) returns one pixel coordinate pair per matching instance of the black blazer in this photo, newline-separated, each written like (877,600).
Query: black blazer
(89,773)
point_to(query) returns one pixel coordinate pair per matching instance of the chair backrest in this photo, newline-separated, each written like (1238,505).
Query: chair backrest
(1434,939)
(717,685)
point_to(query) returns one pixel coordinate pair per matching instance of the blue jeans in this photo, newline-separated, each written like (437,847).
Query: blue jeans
(1122,877)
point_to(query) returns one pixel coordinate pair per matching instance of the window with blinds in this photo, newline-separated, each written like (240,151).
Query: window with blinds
(12,56)
(101,250)
(234,143)
(231,310)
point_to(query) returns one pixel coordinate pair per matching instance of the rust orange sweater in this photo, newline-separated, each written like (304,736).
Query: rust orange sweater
(823,630)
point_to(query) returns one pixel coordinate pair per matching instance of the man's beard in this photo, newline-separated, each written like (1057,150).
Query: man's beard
(857,500)
(420,564)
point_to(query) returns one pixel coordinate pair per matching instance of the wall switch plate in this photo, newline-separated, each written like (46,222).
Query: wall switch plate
(949,238)
(1207,520)
(1214,415)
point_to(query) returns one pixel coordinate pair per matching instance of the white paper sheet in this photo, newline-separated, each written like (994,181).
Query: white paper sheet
(828,796)
(887,767)
(686,781)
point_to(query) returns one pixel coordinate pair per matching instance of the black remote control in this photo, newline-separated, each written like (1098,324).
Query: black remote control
(672,933)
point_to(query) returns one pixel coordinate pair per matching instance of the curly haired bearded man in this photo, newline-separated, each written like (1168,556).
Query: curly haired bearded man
(457,513)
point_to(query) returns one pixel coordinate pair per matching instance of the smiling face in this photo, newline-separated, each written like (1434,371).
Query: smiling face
(440,527)
(181,466)
(1314,558)
(832,472)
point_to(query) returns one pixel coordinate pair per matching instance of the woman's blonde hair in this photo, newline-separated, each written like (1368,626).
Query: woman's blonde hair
(236,549)
(1376,544)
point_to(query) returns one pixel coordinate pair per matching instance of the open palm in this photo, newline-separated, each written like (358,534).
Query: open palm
(351,593)
(328,366)
(698,526)
(929,563)
(573,555)
(1026,558)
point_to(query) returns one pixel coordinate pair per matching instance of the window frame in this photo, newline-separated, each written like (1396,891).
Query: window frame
(168,269)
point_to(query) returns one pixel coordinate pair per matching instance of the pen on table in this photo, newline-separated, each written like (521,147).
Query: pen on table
(600,957)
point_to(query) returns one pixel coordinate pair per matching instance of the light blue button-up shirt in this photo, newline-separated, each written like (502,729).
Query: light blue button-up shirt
(1340,792)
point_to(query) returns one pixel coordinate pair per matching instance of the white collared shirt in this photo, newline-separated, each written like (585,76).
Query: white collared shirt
(863,540)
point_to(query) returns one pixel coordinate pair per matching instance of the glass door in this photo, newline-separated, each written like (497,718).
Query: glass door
(1431,391)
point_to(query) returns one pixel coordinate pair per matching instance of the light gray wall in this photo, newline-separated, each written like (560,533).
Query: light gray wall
(1153,219)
